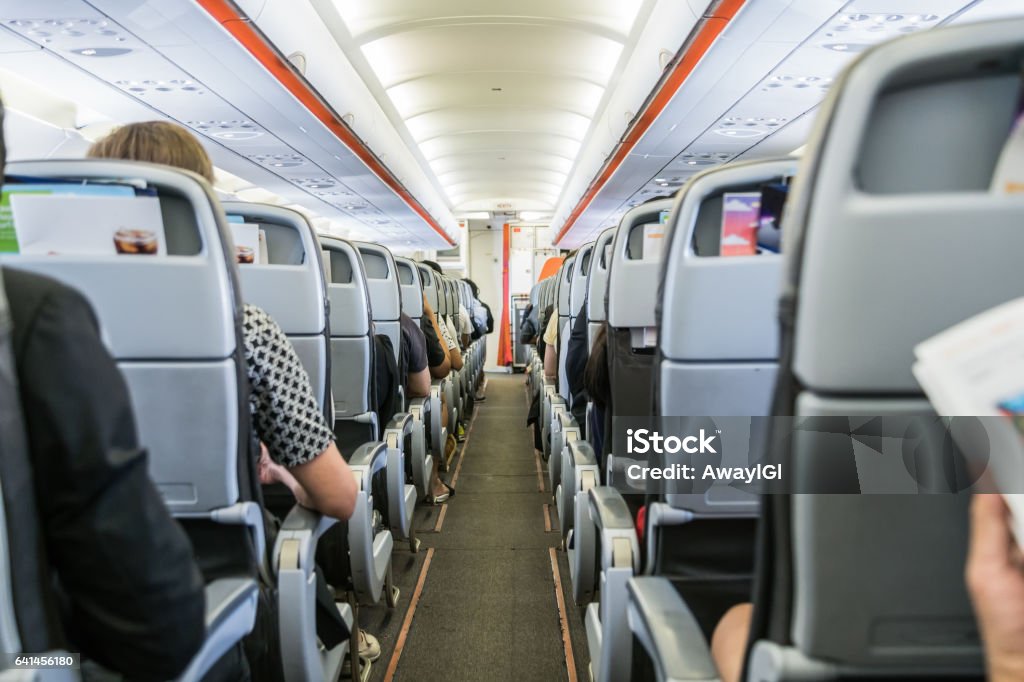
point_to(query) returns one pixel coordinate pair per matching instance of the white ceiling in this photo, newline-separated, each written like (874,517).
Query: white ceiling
(472,105)
(756,91)
(170,59)
(496,97)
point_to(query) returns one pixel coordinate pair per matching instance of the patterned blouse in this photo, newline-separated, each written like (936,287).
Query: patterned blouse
(284,411)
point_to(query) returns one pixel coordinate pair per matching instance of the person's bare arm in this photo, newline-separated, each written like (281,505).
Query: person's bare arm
(453,351)
(329,483)
(456,358)
(995,580)
(442,370)
(272,472)
(419,383)
(550,362)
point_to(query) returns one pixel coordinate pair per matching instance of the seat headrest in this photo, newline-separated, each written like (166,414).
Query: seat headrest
(291,287)
(412,288)
(890,236)
(712,307)
(178,305)
(347,290)
(578,286)
(382,280)
(632,278)
(564,284)
(597,281)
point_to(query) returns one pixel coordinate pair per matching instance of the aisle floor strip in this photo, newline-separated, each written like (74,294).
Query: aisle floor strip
(465,444)
(540,473)
(407,623)
(570,660)
(547,518)
(440,518)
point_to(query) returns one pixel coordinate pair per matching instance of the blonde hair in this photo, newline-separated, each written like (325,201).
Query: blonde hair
(155,142)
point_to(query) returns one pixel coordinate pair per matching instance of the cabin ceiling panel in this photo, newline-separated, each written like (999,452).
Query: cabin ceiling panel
(502,93)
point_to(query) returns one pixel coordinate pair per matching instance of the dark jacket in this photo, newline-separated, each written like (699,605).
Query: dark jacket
(130,594)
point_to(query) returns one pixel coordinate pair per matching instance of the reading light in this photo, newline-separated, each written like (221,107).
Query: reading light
(101,51)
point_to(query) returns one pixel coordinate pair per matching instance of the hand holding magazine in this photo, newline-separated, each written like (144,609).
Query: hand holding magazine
(976,369)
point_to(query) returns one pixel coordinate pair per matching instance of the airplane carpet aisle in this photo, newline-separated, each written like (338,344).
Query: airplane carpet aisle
(487,608)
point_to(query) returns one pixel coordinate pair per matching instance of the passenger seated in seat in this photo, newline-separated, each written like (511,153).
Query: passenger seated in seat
(142,618)
(131,596)
(286,417)
(551,346)
(414,359)
(439,361)
(575,367)
(598,386)
(482,323)
(995,581)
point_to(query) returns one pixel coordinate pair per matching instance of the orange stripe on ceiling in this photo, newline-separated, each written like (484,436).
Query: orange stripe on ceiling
(243,30)
(711,26)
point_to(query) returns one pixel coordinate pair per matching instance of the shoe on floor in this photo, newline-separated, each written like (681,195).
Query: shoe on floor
(346,668)
(460,434)
(369,647)
(440,499)
(480,398)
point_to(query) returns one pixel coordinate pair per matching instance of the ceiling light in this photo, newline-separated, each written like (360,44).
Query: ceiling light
(740,132)
(102,51)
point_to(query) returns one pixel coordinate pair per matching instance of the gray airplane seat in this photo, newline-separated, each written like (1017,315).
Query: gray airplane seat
(605,550)
(436,434)
(356,425)
(290,286)
(412,288)
(565,277)
(717,357)
(554,396)
(578,308)
(597,284)
(633,271)
(451,382)
(420,461)
(596,308)
(26,597)
(172,321)
(889,238)
(385,291)
(571,426)
(352,346)
(384,288)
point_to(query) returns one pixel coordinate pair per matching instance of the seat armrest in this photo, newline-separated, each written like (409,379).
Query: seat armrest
(306,526)
(370,418)
(400,426)
(419,407)
(367,460)
(608,509)
(581,453)
(567,421)
(247,514)
(668,632)
(230,616)
(620,547)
